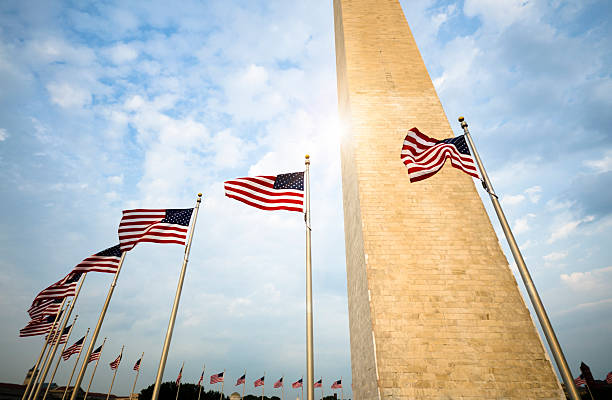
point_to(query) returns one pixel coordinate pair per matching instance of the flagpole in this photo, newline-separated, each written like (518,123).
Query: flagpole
(56,339)
(301,398)
(114,374)
(538,307)
(200,390)
(177,298)
(321,388)
(86,361)
(60,356)
(222,382)
(96,331)
(135,379)
(341,389)
(309,334)
(243,385)
(75,364)
(263,387)
(34,375)
(283,388)
(179,384)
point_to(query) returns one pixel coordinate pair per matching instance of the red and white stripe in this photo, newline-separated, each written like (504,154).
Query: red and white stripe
(36,327)
(337,384)
(278,383)
(259,192)
(65,287)
(297,384)
(259,382)
(216,378)
(609,378)
(95,355)
(424,156)
(52,336)
(45,307)
(137,365)
(96,263)
(115,364)
(319,383)
(74,349)
(143,225)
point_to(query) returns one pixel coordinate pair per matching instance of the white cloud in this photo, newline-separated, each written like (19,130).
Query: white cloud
(68,96)
(602,165)
(589,280)
(522,224)
(3,134)
(555,256)
(511,200)
(115,180)
(122,53)
(567,228)
(534,193)
(497,14)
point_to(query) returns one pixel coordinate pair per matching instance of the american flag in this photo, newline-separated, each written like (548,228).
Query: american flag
(52,336)
(609,378)
(424,156)
(241,380)
(580,381)
(201,378)
(74,349)
(297,384)
(260,381)
(40,326)
(63,288)
(280,192)
(95,355)
(180,376)
(44,307)
(337,384)
(104,261)
(115,364)
(216,378)
(153,225)
(319,383)
(279,383)
(137,365)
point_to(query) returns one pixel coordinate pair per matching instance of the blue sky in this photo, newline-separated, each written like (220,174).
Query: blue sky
(113,106)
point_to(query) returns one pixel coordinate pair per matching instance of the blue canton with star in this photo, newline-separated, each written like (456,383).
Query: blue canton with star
(459,143)
(294,180)
(111,251)
(180,216)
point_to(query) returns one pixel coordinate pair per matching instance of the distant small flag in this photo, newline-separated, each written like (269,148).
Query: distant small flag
(201,378)
(95,355)
(216,378)
(154,226)
(337,384)
(74,349)
(241,380)
(280,192)
(279,383)
(260,381)
(137,365)
(44,307)
(297,384)
(580,381)
(609,378)
(115,364)
(65,287)
(40,326)
(319,383)
(52,336)
(180,376)
(104,261)
(424,156)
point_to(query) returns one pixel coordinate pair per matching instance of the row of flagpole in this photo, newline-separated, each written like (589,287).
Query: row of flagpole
(457,154)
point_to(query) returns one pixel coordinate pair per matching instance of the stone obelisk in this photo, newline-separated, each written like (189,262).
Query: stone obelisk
(434,310)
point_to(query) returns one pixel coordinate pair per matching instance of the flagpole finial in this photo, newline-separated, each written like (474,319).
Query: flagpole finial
(307,157)
(463,123)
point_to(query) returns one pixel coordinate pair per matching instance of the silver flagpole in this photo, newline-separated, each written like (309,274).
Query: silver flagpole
(75,365)
(136,379)
(60,357)
(283,388)
(309,334)
(57,336)
(547,328)
(34,375)
(178,388)
(96,331)
(222,384)
(115,374)
(263,387)
(243,385)
(177,298)
(200,388)
(86,361)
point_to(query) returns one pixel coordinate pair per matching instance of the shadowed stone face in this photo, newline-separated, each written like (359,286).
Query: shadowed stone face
(434,309)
